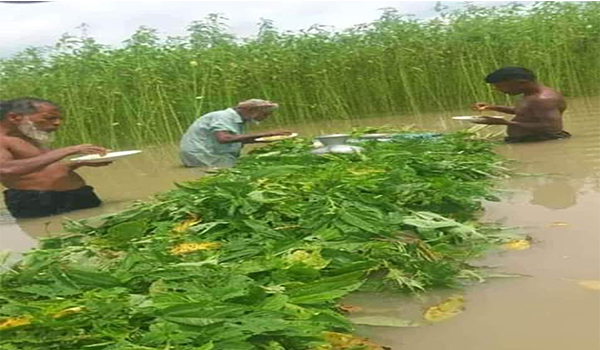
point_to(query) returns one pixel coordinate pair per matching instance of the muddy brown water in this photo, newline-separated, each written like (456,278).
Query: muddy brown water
(559,208)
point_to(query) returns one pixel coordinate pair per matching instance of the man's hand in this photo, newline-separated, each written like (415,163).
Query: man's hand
(480,106)
(87,149)
(490,121)
(269,134)
(277,133)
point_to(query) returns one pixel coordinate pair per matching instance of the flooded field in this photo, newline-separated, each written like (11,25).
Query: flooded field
(558,205)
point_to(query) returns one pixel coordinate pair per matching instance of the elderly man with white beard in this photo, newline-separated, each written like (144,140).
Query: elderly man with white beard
(38,183)
(215,139)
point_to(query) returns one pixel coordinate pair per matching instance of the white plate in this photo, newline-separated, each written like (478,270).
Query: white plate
(475,118)
(106,158)
(277,137)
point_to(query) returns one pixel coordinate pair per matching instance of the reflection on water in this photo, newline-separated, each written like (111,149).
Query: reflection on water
(12,237)
(544,311)
(557,194)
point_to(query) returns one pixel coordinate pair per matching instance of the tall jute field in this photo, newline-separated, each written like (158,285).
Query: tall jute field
(150,89)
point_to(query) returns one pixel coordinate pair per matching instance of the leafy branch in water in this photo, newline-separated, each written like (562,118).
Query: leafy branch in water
(257,256)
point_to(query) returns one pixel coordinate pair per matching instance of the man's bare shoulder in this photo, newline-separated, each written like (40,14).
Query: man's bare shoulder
(550,93)
(6,147)
(18,146)
(13,141)
(6,141)
(546,105)
(548,98)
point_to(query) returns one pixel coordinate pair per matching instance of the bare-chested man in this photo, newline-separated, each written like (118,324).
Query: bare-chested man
(38,183)
(538,116)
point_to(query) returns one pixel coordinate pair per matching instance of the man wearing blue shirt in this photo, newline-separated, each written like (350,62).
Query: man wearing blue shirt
(216,138)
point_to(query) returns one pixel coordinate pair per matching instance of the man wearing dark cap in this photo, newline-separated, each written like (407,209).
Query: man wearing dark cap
(538,116)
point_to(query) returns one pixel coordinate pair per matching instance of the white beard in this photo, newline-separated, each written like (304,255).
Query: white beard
(30,130)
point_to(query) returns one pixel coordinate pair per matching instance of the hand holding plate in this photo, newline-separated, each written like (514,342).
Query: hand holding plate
(481,106)
(276,136)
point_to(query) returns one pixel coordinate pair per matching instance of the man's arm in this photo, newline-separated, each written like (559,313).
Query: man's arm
(11,167)
(542,115)
(539,126)
(480,106)
(503,109)
(79,164)
(227,137)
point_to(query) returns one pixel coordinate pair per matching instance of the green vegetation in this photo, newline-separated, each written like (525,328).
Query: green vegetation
(258,256)
(150,90)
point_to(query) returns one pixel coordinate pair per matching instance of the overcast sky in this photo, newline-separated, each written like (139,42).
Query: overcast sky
(111,22)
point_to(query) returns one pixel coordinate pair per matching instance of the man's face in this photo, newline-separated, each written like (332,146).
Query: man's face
(262,115)
(39,125)
(46,119)
(509,87)
(258,114)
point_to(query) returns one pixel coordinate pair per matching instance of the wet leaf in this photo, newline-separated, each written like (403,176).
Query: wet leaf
(590,284)
(326,289)
(339,341)
(350,308)
(126,231)
(67,312)
(384,321)
(445,310)
(559,224)
(4,255)
(15,322)
(312,259)
(517,244)
(207,346)
(185,248)
(91,278)
(185,225)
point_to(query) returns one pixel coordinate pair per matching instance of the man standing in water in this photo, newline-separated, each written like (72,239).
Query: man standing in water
(38,184)
(538,116)
(216,139)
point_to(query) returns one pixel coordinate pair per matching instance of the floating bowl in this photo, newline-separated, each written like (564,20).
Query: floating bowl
(333,140)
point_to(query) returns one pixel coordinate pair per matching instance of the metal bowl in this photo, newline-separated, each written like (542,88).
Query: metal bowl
(333,140)
(337,149)
(376,136)
(345,149)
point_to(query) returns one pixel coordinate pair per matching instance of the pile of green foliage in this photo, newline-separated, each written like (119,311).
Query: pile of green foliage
(258,256)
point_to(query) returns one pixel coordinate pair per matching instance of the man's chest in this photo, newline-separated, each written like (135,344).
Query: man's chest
(523,111)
